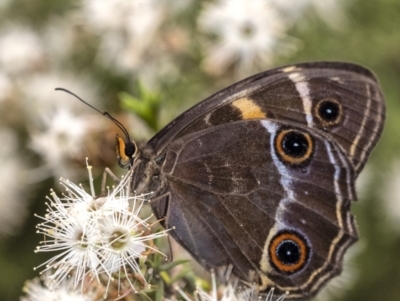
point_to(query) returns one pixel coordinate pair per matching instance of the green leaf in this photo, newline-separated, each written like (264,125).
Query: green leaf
(170,265)
(146,105)
(159,292)
(167,279)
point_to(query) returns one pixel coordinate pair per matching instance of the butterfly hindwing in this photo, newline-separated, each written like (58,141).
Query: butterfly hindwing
(228,199)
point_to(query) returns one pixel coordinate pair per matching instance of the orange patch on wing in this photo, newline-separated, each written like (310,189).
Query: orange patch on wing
(249,109)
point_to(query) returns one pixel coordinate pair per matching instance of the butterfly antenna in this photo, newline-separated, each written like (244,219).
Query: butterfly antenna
(106,114)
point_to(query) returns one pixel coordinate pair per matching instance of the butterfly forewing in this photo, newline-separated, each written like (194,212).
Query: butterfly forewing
(341,99)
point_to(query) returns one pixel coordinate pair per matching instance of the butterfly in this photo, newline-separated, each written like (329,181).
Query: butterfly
(260,176)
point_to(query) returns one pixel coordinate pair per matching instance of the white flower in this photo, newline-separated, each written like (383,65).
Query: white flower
(13,201)
(64,36)
(62,139)
(162,70)
(60,125)
(75,236)
(124,236)
(127,30)
(20,50)
(230,290)
(98,237)
(248,33)
(35,291)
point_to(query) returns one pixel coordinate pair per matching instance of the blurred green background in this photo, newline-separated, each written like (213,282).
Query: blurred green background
(147,61)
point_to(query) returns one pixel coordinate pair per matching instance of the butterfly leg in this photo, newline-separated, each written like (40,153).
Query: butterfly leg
(106,172)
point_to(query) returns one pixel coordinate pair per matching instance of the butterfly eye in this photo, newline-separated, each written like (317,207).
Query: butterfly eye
(293,146)
(288,252)
(328,111)
(130,149)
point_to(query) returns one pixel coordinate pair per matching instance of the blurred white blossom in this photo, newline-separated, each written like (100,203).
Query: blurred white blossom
(36,291)
(247,34)
(127,30)
(21,50)
(64,36)
(13,201)
(62,138)
(230,289)
(162,70)
(97,237)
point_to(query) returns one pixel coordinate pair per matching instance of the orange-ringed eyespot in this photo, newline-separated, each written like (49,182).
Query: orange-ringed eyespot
(293,146)
(288,252)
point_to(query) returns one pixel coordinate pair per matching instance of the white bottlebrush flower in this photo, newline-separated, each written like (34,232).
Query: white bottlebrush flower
(75,237)
(62,139)
(127,30)
(36,291)
(20,50)
(13,201)
(247,34)
(230,290)
(125,239)
(99,238)
(64,36)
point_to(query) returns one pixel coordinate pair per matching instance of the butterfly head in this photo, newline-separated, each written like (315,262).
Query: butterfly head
(126,152)
(126,149)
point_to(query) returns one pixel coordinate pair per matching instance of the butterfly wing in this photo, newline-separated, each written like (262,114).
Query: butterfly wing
(245,193)
(261,175)
(342,99)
